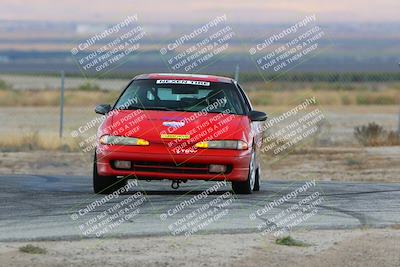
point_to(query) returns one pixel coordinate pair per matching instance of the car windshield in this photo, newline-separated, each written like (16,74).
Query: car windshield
(181,95)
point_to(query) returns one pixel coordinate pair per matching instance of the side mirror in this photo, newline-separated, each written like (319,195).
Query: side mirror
(102,109)
(257,116)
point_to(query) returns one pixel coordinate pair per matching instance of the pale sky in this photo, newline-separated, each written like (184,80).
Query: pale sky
(250,11)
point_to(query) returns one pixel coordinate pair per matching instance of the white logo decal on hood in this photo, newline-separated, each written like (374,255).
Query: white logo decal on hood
(174,124)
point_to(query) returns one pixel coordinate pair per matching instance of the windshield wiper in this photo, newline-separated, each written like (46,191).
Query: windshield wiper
(147,108)
(160,108)
(168,109)
(130,107)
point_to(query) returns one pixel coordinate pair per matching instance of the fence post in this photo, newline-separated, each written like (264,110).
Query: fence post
(398,124)
(398,121)
(237,73)
(62,104)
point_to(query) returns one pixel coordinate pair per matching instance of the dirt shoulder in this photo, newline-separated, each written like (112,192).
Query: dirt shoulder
(46,163)
(332,248)
(379,247)
(358,164)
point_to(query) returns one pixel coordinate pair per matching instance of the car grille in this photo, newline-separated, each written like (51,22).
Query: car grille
(170,167)
(167,167)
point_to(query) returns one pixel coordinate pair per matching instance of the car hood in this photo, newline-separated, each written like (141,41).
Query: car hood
(191,127)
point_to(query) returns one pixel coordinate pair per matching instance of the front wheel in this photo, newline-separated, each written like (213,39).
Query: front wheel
(105,184)
(252,182)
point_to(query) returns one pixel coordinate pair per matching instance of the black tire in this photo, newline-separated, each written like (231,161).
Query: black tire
(105,184)
(246,187)
(257,183)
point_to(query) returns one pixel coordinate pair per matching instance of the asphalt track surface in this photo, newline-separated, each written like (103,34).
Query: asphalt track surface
(37,207)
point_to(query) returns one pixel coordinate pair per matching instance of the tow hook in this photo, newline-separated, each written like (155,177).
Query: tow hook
(175,183)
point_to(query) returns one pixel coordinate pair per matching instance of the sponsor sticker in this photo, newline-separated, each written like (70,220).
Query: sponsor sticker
(175,136)
(183,82)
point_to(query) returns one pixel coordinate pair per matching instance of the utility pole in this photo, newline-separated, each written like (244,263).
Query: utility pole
(62,103)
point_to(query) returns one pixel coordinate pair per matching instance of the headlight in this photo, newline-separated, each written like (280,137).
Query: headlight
(122,140)
(223,144)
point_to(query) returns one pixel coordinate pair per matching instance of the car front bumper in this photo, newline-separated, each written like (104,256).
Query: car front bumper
(158,166)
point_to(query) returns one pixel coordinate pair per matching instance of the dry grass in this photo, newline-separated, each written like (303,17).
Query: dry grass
(339,98)
(290,241)
(12,98)
(33,141)
(375,135)
(31,249)
(271,93)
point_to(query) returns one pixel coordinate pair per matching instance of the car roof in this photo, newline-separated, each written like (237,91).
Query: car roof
(185,76)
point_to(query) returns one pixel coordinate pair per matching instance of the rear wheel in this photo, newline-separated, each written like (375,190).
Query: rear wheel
(251,183)
(105,184)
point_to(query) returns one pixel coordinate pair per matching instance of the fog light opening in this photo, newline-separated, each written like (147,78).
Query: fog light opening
(122,164)
(216,168)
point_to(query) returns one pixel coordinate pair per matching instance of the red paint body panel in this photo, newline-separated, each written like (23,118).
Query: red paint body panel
(238,173)
(171,158)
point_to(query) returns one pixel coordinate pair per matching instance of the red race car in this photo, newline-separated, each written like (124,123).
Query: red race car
(179,127)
